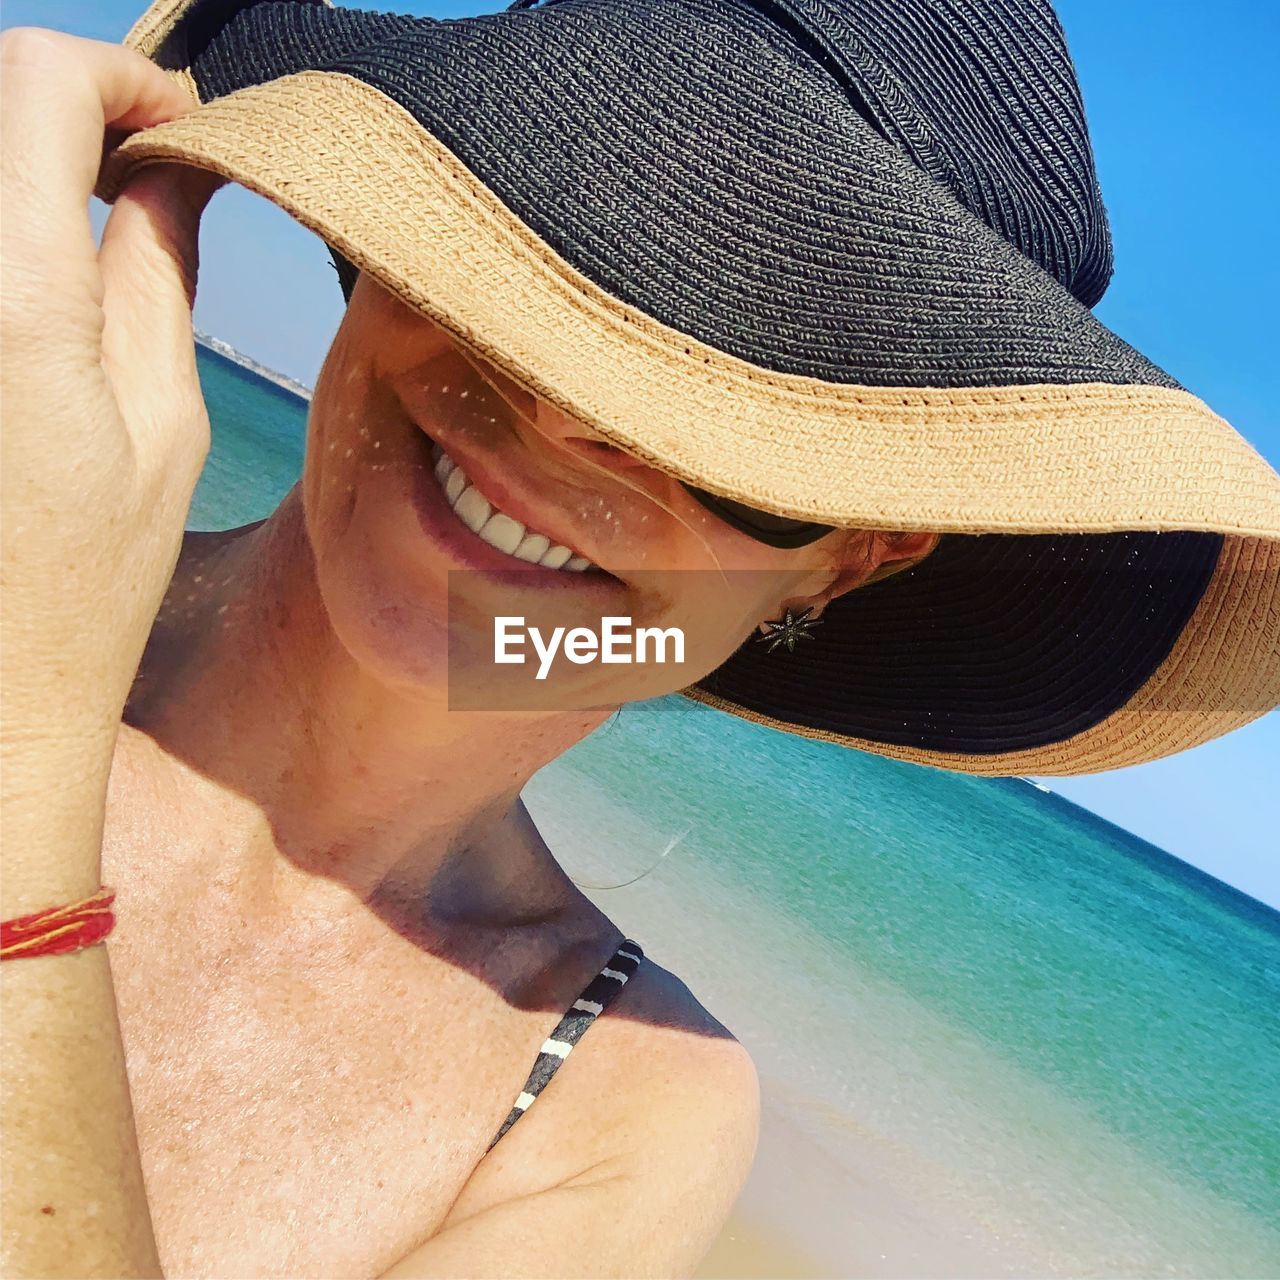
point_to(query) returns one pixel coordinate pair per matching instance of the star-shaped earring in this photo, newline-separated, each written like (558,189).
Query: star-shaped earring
(791,628)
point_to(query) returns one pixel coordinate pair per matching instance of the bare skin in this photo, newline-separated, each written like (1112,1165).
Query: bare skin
(382,881)
(341,939)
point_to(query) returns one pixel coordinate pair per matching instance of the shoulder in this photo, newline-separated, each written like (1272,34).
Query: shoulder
(672,1052)
(634,1163)
(656,1067)
(670,1042)
(658,1101)
(658,1041)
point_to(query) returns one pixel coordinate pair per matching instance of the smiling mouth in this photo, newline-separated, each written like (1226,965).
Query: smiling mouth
(494,526)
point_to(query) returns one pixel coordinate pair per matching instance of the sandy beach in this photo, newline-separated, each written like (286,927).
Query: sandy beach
(745,1252)
(804,1215)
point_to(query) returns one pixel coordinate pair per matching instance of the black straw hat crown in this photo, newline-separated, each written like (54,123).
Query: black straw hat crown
(983,98)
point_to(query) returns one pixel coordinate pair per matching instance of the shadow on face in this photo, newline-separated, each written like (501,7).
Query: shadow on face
(441,495)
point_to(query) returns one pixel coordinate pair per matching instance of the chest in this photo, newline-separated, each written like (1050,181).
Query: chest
(310,1119)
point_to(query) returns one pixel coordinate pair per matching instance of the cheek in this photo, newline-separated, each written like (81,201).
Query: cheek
(336,432)
(382,601)
(717,611)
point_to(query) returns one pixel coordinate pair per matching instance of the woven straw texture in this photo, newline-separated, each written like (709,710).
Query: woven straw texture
(788,307)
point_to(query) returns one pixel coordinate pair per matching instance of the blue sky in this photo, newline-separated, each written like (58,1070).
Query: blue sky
(1182,104)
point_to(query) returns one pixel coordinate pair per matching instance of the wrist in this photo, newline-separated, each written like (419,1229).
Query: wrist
(52,807)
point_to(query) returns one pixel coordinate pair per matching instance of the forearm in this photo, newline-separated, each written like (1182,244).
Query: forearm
(74,1199)
(105,432)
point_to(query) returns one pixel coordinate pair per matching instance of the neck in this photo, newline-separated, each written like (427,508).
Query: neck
(331,788)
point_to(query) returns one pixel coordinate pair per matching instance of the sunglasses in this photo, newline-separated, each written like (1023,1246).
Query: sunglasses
(763,526)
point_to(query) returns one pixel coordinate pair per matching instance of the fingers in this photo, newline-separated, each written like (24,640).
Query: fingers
(149,261)
(150,246)
(58,95)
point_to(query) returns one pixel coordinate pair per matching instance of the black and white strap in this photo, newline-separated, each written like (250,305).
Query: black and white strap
(594,1000)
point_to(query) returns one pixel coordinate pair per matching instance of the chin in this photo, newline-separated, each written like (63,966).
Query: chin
(396,634)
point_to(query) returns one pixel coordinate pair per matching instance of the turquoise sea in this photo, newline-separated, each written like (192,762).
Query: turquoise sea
(991,1027)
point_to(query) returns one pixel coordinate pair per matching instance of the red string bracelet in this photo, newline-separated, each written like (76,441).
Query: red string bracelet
(57,930)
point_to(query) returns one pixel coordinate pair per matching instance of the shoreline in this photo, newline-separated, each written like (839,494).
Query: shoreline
(227,351)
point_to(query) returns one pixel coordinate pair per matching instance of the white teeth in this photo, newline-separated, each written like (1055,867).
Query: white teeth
(533,547)
(503,532)
(496,527)
(473,509)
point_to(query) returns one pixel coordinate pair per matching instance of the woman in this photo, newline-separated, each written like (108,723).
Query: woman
(322,871)
(341,940)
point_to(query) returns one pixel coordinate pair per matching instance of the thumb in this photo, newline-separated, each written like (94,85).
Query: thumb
(148,260)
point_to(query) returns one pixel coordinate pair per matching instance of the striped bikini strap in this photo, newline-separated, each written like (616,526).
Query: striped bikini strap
(594,1000)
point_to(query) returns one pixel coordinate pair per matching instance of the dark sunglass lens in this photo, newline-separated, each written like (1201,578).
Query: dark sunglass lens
(765,526)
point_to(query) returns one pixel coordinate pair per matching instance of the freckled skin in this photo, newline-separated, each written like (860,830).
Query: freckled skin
(295,655)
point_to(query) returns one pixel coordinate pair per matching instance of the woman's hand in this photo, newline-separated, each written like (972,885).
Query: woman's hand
(104,425)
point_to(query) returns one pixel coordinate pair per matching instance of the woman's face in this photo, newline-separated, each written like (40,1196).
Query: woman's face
(530,515)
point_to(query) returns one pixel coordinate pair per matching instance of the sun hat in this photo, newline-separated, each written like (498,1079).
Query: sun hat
(832,259)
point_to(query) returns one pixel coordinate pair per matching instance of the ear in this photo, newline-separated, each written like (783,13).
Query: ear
(874,556)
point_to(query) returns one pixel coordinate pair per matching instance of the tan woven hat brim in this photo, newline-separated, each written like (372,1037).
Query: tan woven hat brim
(1018,459)
(1021,459)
